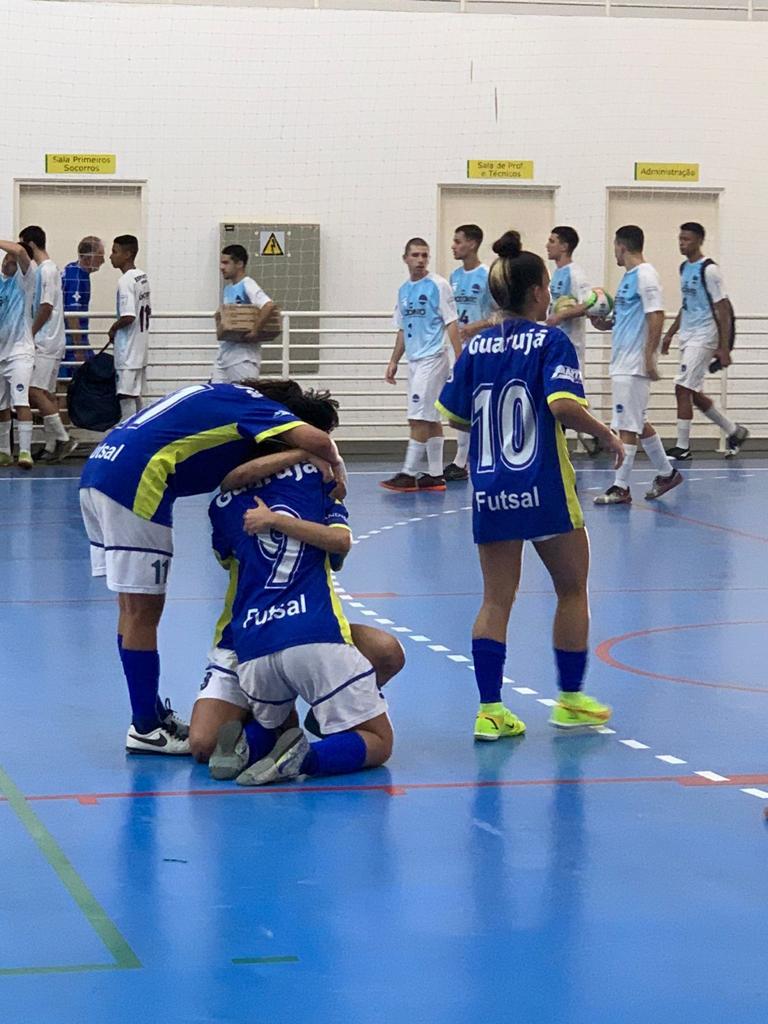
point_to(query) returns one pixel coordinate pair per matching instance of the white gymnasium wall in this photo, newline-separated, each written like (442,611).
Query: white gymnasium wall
(351,119)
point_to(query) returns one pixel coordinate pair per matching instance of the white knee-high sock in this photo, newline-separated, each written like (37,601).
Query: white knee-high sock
(462,449)
(727,426)
(623,472)
(128,406)
(24,435)
(435,455)
(684,433)
(5,436)
(654,449)
(415,454)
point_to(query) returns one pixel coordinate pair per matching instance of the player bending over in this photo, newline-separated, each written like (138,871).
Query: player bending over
(291,637)
(184,444)
(516,387)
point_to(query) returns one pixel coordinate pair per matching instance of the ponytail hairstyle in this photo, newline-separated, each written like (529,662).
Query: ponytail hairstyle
(514,273)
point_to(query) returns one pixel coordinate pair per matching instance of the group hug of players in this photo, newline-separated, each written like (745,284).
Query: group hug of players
(279,525)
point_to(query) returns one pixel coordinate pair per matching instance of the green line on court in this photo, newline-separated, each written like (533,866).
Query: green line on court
(125,958)
(266,960)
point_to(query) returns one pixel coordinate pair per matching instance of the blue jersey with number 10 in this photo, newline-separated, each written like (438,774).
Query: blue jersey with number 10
(281,592)
(501,387)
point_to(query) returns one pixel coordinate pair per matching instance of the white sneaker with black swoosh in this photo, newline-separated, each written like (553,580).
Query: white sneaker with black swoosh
(165,739)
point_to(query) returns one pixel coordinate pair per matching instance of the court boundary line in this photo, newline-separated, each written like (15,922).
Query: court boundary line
(52,853)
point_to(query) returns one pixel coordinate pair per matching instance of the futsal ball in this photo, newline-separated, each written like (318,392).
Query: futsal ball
(563,303)
(599,303)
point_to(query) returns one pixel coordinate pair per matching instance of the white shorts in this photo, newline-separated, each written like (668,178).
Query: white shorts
(630,402)
(694,366)
(15,376)
(220,681)
(337,682)
(426,378)
(46,372)
(247,370)
(131,383)
(133,553)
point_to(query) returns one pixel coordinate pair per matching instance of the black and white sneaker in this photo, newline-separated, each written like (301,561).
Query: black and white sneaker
(165,739)
(735,441)
(169,717)
(662,484)
(679,454)
(455,474)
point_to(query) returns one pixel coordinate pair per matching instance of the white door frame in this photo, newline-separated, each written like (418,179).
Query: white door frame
(508,186)
(78,180)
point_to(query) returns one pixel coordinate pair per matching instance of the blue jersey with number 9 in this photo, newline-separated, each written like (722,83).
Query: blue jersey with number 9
(281,593)
(501,388)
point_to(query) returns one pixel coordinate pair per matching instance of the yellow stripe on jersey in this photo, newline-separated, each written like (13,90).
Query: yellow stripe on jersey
(569,478)
(338,611)
(233,566)
(567,394)
(154,479)
(451,415)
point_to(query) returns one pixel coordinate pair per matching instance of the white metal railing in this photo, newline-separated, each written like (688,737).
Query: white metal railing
(349,350)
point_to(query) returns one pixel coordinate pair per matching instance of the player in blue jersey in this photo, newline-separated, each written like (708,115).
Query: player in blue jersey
(184,444)
(291,637)
(705,325)
(569,282)
(17,350)
(424,314)
(220,699)
(240,359)
(475,308)
(76,288)
(515,387)
(638,318)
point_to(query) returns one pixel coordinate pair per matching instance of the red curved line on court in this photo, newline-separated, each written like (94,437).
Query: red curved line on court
(604,649)
(701,522)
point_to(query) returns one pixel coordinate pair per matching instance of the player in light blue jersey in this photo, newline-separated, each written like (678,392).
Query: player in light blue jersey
(290,635)
(240,358)
(475,308)
(705,325)
(638,320)
(17,350)
(424,314)
(183,444)
(515,387)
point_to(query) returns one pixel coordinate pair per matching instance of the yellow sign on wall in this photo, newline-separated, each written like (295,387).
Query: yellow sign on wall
(516,169)
(666,172)
(80,163)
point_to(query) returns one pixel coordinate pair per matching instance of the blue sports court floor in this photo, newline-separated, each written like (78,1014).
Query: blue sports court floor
(558,878)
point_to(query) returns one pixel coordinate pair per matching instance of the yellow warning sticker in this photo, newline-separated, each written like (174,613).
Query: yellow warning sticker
(272,243)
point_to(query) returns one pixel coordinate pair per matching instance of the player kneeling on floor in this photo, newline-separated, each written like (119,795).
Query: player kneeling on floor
(291,637)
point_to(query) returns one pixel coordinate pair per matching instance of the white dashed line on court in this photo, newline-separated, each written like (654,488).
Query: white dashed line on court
(415,519)
(605,731)
(439,648)
(385,622)
(400,629)
(458,657)
(526,691)
(366,611)
(419,639)
(547,701)
(713,776)
(635,744)
(355,604)
(760,793)
(669,759)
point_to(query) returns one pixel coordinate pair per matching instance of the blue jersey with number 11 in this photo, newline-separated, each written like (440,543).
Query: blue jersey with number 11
(501,387)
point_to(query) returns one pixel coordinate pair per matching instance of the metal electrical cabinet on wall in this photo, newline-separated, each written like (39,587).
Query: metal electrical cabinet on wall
(285,260)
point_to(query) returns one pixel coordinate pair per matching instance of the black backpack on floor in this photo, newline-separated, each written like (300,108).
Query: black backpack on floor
(92,394)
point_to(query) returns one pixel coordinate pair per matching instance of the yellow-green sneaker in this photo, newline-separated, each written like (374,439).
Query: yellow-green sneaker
(579,709)
(494,722)
(25,461)
(6,459)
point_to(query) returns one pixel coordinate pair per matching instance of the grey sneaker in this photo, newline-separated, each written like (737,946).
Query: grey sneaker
(735,441)
(64,449)
(662,484)
(282,763)
(230,756)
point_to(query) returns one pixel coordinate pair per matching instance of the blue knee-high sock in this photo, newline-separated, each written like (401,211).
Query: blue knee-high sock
(260,740)
(489,657)
(142,673)
(571,669)
(160,709)
(336,755)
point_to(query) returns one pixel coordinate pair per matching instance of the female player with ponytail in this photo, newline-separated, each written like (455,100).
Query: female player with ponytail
(515,388)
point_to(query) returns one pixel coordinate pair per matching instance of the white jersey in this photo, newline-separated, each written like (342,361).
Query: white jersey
(571,280)
(697,322)
(638,294)
(16,295)
(131,342)
(245,293)
(50,339)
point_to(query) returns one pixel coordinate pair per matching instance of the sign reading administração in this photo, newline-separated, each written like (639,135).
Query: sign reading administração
(516,169)
(80,163)
(666,172)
